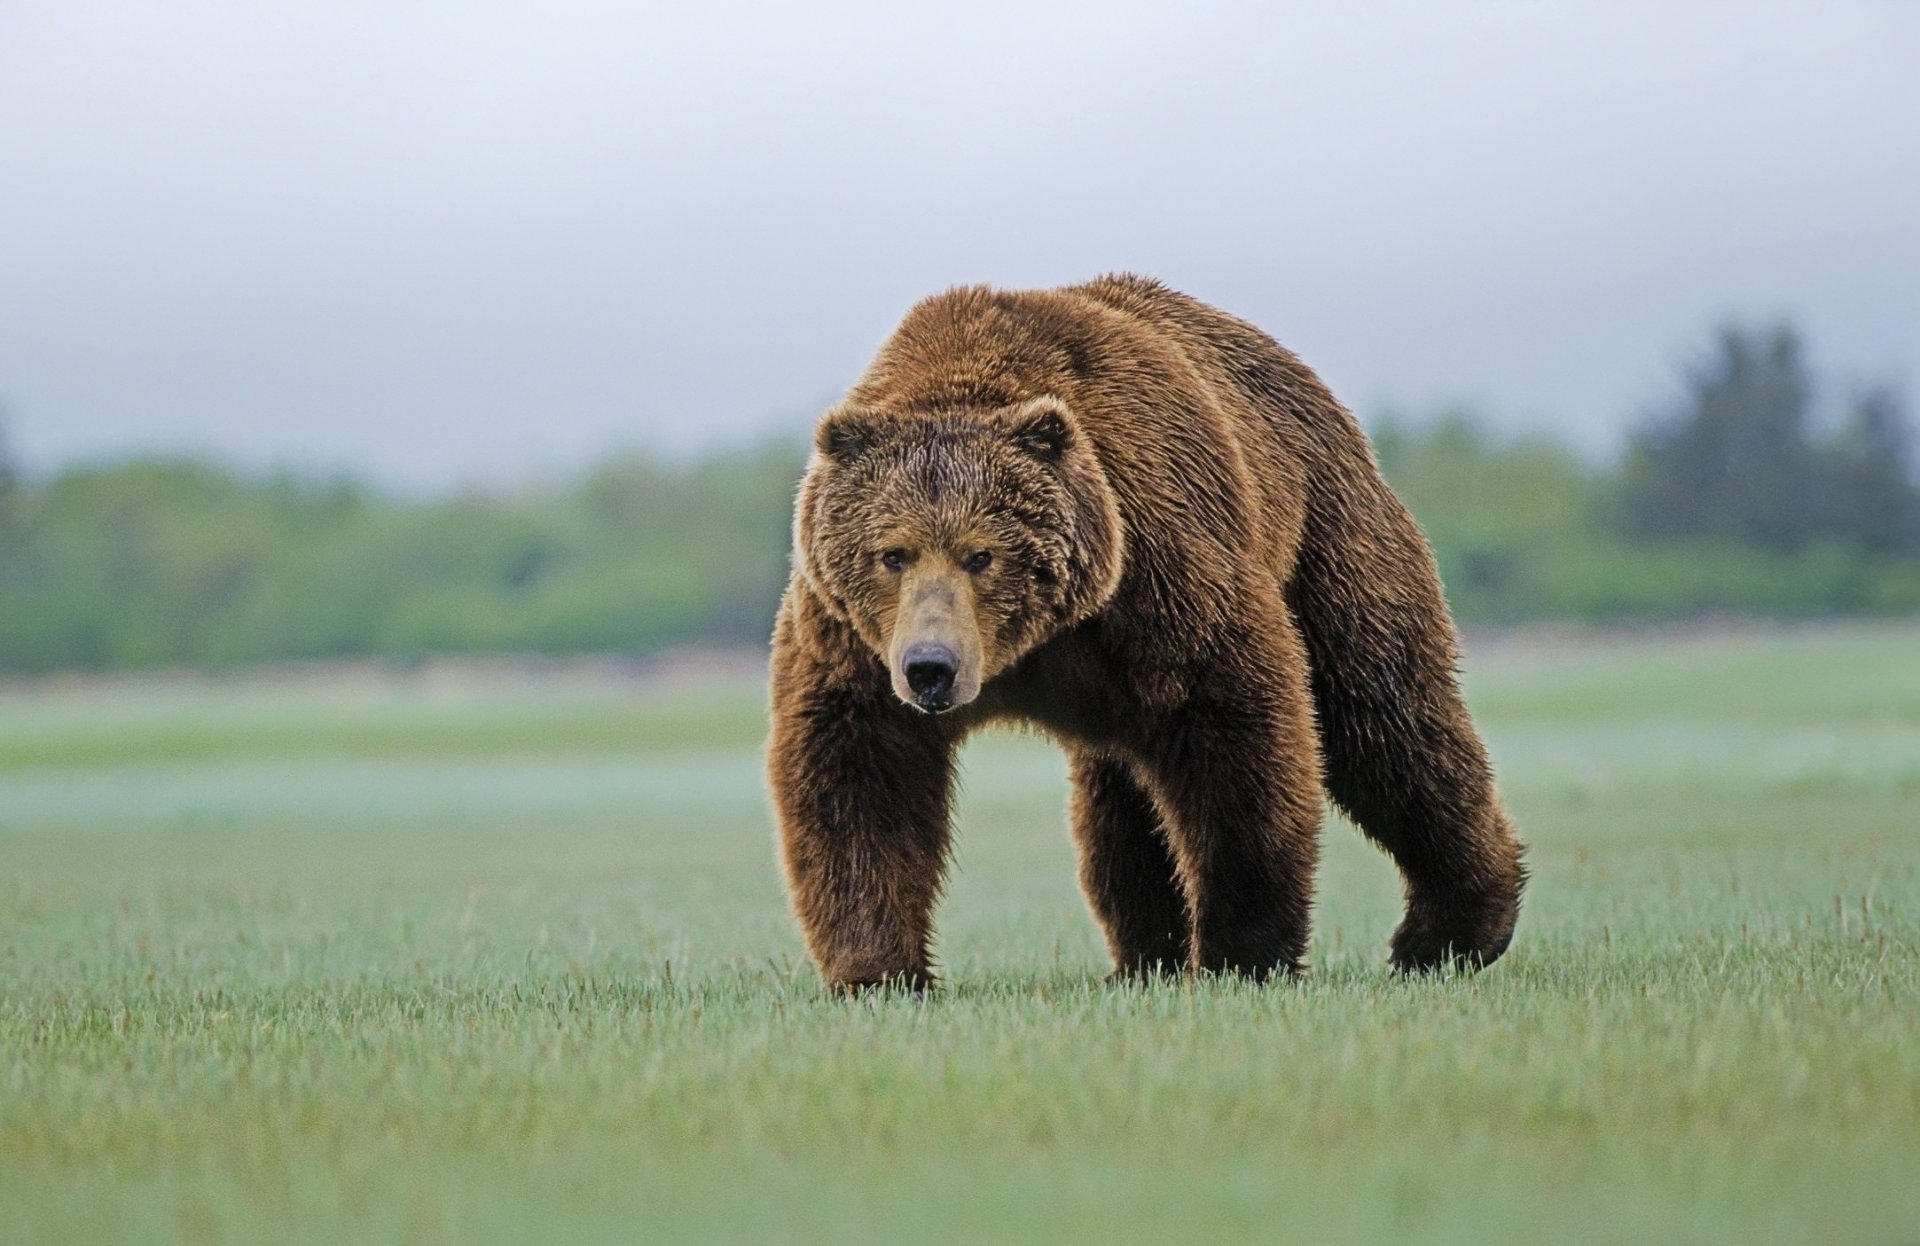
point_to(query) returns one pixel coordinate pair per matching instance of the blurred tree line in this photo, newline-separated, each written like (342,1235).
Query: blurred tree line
(1737,500)
(1734,501)
(148,563)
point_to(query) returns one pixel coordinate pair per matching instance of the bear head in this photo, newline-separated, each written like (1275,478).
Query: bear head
(956,539)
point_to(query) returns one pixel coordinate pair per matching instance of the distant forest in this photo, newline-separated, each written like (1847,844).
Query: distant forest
(1737,500)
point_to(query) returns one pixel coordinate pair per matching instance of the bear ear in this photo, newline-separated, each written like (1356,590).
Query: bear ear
(1042,430)
(846,434)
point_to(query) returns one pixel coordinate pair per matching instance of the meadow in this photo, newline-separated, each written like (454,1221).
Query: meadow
(502,955)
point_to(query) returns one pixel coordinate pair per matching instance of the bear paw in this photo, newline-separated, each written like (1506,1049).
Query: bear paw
(902,982)
(1458,932)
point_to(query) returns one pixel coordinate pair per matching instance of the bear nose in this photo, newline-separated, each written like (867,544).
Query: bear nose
(930,670)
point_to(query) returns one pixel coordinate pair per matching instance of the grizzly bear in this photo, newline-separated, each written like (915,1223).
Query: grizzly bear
(1139,524)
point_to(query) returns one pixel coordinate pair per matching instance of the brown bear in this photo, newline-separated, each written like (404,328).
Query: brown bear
(1141,525)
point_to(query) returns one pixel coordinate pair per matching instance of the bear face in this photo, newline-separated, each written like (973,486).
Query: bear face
(955,540)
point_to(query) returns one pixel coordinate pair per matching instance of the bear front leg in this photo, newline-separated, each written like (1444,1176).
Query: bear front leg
(1237,773)
(1127,868)
(862,788)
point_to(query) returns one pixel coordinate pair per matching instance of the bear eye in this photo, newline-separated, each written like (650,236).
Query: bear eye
(894,560)
(977,561)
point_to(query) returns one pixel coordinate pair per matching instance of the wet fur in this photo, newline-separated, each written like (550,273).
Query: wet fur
(1204,590)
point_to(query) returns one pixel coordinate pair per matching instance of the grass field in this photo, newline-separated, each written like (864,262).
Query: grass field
(427,959)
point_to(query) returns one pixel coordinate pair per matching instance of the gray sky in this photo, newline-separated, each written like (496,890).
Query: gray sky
(474,241)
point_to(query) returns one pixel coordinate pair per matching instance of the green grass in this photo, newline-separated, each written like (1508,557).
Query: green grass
(430,960)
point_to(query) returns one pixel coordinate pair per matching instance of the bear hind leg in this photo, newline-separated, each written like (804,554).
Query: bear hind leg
(1401,755)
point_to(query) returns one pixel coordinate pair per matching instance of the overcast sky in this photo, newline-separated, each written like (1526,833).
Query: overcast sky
(438,243)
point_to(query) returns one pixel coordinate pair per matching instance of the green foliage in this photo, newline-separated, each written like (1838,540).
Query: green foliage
(1732,463)
(169,562)
(1733,503)
(1869,495)
(1740,462)
(1523,531)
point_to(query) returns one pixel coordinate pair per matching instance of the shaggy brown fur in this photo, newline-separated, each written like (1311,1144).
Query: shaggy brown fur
(1138,523)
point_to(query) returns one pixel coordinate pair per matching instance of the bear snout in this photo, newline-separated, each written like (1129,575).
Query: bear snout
(930,671)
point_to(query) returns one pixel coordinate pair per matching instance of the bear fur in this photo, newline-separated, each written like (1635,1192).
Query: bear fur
(1117,514)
